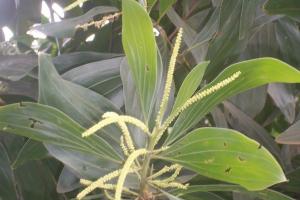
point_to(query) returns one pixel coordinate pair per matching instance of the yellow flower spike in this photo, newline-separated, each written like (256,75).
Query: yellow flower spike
(125,132)
(164,170)
(169,79)
(123,146)
(115,119)
(85,182)
(100,23)
(174,175)
(126,169)
(99,183)
(197,97)
(170,184)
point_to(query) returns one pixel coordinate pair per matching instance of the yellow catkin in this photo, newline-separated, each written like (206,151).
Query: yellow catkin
(99,183)
(85,182)
(169,78)
(74,4)
(164,170)
(115,119)
(197,97)
(125,132)
(170,184)
(125,170)
(123,146)
(174,175)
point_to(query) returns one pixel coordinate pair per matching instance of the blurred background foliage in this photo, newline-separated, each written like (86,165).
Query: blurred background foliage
(220,31)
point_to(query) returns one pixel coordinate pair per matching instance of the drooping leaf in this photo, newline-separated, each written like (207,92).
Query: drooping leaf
(140,49)
(49,125)
(66,28)
(254,73)
(190,84)
(226,155)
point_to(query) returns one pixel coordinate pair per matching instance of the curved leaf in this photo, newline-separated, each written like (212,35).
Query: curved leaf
(226,155)
(140,49)
(49,125)
(254,73)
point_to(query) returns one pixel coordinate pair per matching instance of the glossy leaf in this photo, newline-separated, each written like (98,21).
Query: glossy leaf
(190,84)
(226,155)
(254,73)
(140,49)
(49,125)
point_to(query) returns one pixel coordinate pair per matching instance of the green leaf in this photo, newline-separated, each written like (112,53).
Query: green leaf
(285,7)
(31,150)
(81,104)
(140,49)
(49,125)
(164,6)
(7,189)
(267,194)
(190,84)
(226,155)
(15,67)
(254,73)
(291,135)
(67,28)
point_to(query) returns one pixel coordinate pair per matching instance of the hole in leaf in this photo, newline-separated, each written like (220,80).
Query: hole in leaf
(259,146)
(147,68)
(34,122)
(225,144)
(227,170)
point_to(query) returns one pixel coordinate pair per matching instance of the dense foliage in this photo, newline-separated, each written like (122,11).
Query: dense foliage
(106,102)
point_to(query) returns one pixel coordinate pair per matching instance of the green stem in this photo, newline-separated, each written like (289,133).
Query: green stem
(146,164)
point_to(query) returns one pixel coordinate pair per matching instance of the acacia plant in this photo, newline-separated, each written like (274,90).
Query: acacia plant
(152,154)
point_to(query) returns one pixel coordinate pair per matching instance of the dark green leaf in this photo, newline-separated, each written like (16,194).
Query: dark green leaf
(291,135)
(31,150)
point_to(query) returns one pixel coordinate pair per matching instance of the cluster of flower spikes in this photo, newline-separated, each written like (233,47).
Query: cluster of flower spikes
(132,154)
